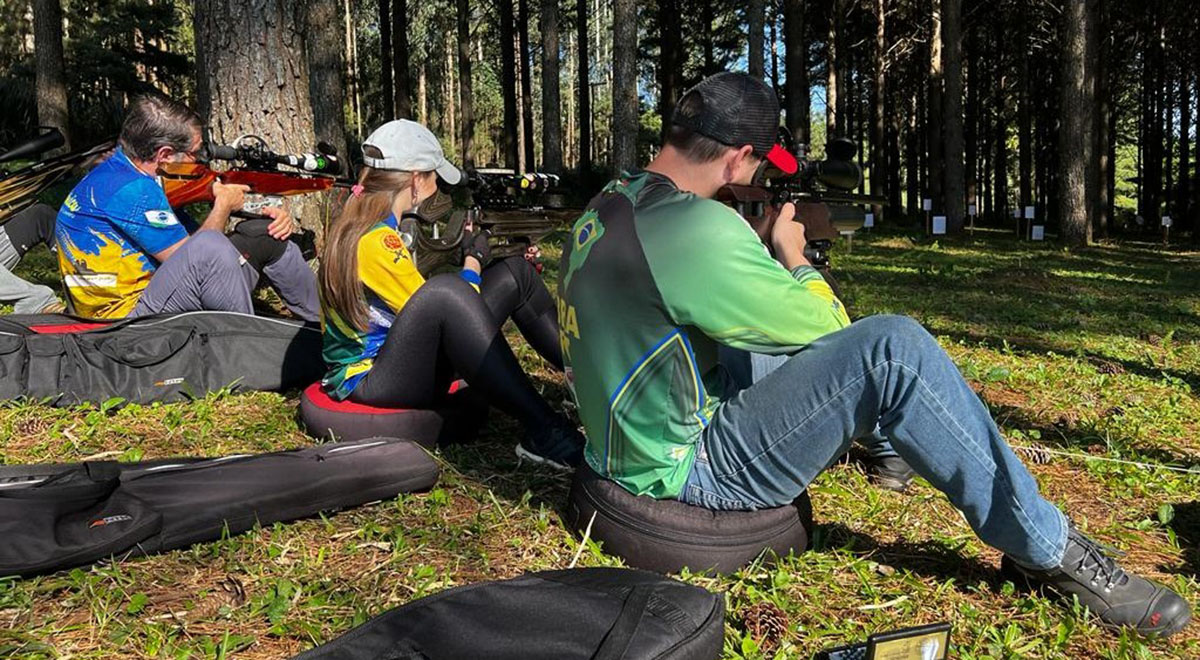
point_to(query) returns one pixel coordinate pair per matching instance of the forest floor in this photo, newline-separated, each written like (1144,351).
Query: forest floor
(1093,353)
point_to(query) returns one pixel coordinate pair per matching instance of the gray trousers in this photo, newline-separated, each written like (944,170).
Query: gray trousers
(26,297)
(208,273)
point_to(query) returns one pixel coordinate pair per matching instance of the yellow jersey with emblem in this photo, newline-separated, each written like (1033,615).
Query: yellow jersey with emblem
(107,232)
(389,277)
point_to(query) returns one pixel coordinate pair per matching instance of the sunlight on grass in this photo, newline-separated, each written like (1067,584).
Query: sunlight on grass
(1094,352)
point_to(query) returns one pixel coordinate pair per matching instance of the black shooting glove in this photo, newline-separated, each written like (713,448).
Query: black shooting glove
(475,244)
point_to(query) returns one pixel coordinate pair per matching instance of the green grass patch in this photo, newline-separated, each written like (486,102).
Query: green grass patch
(1093,353)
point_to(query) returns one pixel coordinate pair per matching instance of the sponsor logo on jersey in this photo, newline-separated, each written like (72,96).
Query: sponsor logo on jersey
(161,218)
(392,241)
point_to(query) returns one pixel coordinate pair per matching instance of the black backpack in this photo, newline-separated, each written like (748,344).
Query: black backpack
(584,613)
(59,516)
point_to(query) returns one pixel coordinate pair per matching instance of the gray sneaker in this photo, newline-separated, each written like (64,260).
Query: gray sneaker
(1120,599)
(889,472)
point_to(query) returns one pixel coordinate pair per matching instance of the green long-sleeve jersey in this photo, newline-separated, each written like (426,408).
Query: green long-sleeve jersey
(651,281)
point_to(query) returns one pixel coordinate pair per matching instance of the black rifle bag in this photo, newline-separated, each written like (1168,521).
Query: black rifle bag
(59,516)
(584,614)
(170,357)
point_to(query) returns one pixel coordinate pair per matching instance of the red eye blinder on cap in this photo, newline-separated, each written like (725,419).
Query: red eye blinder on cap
(783,159)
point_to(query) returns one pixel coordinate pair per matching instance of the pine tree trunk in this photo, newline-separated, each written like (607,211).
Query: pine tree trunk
(325,67)
(385,59)
(508,85)
(1000,138)
(796,65)
(834,102)
(585,92)
(400,59)
(756,10)
(706,38)
(1025,123)
(51,83)
(1077,108)
(878,94)
(670,60)
(952,113)
(1185,147)
(912,156)
(1104,202)
(526,82)
(552,157)
(252,78)
(465,100)
(625,119)
(934,121)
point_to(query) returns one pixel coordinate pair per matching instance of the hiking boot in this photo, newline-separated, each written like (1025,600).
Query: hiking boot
(558,444)
(889,472)
(1120,599)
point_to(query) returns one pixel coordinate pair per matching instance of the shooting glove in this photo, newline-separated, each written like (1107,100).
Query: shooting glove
(475,244)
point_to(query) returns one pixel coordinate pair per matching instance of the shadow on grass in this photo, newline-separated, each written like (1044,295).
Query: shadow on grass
(1186,525)
(925,558)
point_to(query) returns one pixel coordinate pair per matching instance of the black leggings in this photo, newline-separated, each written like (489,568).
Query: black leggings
(447,329)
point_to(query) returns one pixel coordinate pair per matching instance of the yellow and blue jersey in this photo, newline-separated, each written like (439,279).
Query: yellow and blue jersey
(107,232)
(389,277)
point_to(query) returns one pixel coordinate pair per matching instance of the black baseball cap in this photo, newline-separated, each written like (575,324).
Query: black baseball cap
(738,109)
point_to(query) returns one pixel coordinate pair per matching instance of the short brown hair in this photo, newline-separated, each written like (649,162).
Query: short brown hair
(695,147)
(153,121)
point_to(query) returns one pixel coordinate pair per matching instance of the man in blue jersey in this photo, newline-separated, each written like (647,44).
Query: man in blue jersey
(123,251)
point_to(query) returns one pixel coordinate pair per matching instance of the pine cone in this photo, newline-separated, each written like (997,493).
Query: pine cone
(767,625)
(31,426)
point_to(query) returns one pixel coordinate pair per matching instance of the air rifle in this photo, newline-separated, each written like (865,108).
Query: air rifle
(20,188)
(812,188)
(269,175)
(518,209)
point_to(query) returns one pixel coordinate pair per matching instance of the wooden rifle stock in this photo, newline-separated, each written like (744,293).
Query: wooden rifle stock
(188,183)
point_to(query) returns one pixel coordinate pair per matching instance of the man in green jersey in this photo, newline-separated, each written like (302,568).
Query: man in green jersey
(656,278)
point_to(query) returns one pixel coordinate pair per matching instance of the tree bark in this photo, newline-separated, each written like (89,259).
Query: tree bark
(385,59)
(585,92)
(51,83)
(1102,222)
(796,64)
(252,78)
(526,82)
(326,65)
(400,59)
(878,94)
(757,13)
(552,158)
(833,84)
(670,60)
(508,85)
(1185,148)
(912,155)
(934,122)
(952,113)
(1077,119)
(465,100)
(625,119)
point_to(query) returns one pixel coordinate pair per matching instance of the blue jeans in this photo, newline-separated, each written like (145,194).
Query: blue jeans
(887,374)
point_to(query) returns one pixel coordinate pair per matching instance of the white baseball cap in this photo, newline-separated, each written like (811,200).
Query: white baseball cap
(409,147)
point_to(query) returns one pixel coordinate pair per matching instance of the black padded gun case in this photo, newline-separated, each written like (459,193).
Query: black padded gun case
(583,614)
(66,360)
(58,516)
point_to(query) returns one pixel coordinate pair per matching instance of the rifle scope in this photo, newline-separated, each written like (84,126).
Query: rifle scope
(325,162)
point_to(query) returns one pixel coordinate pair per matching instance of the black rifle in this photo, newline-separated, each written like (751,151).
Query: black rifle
(517,209)
(812,188)
(21,187)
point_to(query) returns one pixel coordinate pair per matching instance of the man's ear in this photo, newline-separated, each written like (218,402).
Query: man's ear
(163,154)
(735,160)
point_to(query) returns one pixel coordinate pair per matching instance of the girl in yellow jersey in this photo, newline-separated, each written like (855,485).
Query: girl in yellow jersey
(394,339)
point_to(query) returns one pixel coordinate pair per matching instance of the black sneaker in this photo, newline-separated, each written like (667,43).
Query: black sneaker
(1120,599)
(889,472)
(558,444)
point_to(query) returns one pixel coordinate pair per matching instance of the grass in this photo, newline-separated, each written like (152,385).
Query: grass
(1093,352)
